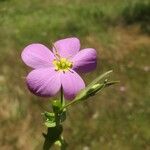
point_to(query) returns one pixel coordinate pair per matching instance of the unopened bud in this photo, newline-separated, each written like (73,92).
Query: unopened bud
(94,89)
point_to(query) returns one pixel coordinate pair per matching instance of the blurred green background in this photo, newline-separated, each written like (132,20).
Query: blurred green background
(116,119)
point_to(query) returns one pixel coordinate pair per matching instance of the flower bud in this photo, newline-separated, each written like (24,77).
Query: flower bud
(94,89)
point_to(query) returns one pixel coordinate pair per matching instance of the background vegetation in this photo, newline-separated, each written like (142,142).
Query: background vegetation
(118,118)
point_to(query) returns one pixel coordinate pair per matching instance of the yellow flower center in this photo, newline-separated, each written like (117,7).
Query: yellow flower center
(62,64)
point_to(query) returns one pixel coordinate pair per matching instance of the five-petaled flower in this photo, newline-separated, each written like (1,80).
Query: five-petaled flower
(58,68)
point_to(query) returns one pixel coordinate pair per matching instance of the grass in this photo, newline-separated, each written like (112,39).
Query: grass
(116,119)
(138,12)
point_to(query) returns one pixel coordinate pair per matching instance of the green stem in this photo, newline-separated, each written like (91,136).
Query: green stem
(72,102)
(63,145)
(54,134)
(62,96)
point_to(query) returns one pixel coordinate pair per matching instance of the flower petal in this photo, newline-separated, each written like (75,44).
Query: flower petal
(85,60)
(37,56)
(67,47)
(72,83)
(44,82)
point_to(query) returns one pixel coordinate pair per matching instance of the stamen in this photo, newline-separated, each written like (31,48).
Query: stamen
(62,64)
(71,71)
(56,51)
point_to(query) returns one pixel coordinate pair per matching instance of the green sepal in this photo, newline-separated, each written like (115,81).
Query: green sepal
(99,86)
(94,89)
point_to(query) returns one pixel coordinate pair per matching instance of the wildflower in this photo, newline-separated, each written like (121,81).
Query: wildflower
(58,68)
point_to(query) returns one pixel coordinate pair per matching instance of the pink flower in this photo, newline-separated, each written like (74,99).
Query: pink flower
(53,70)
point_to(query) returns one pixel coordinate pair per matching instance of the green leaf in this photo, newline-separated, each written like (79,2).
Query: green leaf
(48,114)
(61,143)
(49,119)
(58,142)
(111,83)
(50,124)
